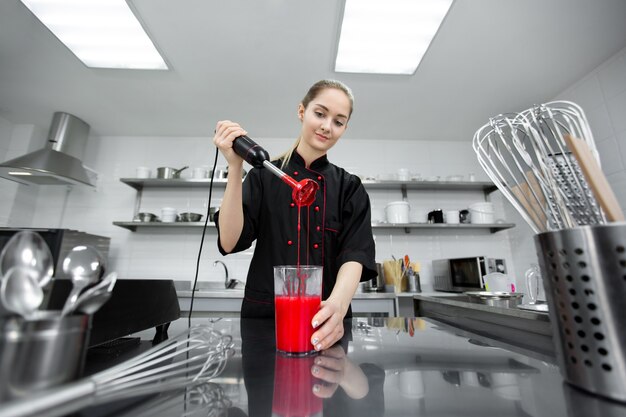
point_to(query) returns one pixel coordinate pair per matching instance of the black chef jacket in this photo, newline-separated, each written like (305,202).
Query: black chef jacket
(335,229)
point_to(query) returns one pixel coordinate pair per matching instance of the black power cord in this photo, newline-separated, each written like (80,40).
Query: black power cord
(206,222)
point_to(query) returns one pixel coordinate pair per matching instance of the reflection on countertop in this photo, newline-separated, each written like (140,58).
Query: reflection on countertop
(382,367)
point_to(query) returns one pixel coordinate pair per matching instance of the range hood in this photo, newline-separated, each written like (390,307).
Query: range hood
(59,162)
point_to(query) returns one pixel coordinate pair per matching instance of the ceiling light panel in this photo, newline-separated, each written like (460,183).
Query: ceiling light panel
(101,33)
(387,37)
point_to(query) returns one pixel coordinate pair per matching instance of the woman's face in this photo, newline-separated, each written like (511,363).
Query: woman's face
(324,120)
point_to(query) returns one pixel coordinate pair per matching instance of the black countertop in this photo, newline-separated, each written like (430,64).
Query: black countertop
(382,367)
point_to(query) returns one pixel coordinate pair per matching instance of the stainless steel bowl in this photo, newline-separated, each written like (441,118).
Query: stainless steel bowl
(190,217)
(145,217)
(496,298)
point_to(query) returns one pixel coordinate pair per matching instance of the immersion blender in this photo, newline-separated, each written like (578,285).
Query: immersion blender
(303,192)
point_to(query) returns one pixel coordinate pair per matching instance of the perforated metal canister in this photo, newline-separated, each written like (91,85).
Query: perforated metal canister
(584,275)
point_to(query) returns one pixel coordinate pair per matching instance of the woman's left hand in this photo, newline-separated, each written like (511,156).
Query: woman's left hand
(329,324)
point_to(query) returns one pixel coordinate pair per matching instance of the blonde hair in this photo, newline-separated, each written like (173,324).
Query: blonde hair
(313,92)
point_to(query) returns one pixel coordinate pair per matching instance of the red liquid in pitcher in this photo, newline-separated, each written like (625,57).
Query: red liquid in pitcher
(293,322)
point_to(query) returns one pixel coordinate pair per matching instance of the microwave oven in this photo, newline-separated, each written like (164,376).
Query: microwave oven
(60,242)
(464,274)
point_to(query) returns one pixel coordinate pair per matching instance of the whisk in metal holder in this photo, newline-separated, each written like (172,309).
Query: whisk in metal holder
(584,275)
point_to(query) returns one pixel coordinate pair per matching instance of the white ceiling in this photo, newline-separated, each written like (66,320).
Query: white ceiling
(252,61)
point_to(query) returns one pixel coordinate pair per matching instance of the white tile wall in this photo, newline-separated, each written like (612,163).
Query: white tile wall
(17,202)
(602,95)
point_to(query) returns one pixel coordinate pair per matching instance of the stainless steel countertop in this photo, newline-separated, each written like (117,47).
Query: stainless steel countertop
(407,367)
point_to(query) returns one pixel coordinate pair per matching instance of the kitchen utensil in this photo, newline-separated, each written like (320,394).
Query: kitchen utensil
(365,286)
(583,271)
(221,173)
(303,192)
(403,174)
(169,173)
(93,298)
(142,172)
(435,216)
(397,212)
(482,213)
(495,298)
(452,216)
(212,212)
(169,215)
(379,283)
(526,156)
(28,249)
(533,281)
(40,354)
(595,177)
(20,291)
(200,173)
(190,217)
(191,359)
(83,264)
(145,217)
(297,297)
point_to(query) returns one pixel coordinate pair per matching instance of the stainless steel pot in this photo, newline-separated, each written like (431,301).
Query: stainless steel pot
(169,173)
(496,299)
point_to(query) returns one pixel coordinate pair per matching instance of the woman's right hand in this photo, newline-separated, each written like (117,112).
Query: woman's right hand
(225,133)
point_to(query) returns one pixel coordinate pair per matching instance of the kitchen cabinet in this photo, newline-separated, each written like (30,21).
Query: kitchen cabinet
(141,184)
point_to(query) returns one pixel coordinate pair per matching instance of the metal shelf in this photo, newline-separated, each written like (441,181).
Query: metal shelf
(132,226)
(492,227)
(141,183)
(487,187)
(495,227)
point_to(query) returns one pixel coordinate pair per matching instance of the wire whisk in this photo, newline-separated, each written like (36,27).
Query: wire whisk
(527,158)
(190,359)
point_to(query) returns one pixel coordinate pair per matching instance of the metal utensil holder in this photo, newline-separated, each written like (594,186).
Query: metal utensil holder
(584,275)
(40,354)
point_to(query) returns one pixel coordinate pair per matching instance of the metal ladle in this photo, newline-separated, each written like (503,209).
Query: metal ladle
(28,250)
(83,264)
(20,292)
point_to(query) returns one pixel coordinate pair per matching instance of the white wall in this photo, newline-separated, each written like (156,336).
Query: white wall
(18,202)
(172,253)
(602,95)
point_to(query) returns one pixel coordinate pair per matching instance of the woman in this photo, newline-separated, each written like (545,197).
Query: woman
(335,229)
